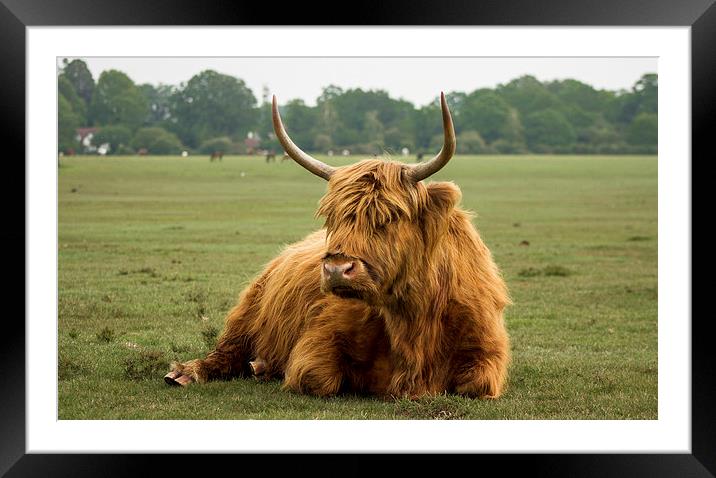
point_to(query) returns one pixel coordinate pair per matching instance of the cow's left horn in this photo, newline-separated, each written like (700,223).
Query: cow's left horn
(312,164)
(424,170)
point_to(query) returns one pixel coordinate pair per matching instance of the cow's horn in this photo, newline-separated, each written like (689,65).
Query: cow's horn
(312,164)
(424,170)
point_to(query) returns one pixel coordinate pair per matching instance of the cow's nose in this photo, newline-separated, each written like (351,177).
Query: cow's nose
(342,270)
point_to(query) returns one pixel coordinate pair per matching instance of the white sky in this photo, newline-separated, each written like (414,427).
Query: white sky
(418,80)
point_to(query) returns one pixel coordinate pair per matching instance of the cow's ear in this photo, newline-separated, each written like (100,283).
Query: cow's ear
(444,196)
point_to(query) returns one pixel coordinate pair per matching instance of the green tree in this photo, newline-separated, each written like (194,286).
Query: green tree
(167,144)
(213,110)
(427,123)
(66,89)
(328,120)
(222,143)
(577,117)
(483,110)
(436,142)
(601,134)
(322,143)
(364,116)
(644,130)
(301,121)
(117,100)
(212,104)
(643,98)
(503,146)
(395,138)
(471,142)
(580,95)
(264,124)
(647,90)
(548,128)
(79,76)
(156,141)
(513,132)
(456,102)
(67,123)
(159,103)
(117,136)
(373,126)
(527,95)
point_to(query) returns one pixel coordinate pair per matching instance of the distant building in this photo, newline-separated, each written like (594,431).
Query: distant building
(84,137)
(252,142)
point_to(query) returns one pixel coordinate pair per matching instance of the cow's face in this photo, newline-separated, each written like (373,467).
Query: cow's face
(377,216)
(373,222)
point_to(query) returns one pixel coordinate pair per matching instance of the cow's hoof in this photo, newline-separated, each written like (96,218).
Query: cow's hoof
(175,378)
(258,366)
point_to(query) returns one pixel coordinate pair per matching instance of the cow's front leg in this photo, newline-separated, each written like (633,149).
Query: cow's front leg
(185,373)
(234,349)
(313,367)
(344,349)
(230,359)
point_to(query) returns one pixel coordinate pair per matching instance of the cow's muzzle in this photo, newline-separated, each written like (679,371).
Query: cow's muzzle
(339,276)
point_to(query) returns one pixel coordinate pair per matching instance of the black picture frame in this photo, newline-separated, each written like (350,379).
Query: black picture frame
(16,15)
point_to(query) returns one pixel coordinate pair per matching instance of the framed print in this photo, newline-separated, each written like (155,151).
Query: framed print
(609,370)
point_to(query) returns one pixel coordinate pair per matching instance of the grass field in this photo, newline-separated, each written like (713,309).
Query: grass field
(153,252)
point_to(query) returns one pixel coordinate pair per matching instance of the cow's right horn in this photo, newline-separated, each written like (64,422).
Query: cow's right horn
(422,171)
(312,164)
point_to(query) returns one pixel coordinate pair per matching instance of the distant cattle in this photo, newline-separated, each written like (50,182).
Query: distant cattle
(419,157)
(217,155)
(270,156)
(142,151)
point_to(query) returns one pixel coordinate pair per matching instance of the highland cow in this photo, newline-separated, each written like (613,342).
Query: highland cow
(396,296)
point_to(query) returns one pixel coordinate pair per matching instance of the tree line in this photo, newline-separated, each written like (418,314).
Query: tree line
(213,111)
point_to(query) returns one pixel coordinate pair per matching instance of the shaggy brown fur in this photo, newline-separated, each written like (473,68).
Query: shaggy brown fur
(424,314)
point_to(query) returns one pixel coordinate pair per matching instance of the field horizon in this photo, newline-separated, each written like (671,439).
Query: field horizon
(154,251)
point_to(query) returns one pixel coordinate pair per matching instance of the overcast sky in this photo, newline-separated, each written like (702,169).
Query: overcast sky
(418,80)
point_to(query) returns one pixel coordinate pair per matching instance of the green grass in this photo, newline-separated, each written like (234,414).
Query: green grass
(154,251)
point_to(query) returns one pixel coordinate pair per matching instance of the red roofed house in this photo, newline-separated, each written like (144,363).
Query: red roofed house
(84,136)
